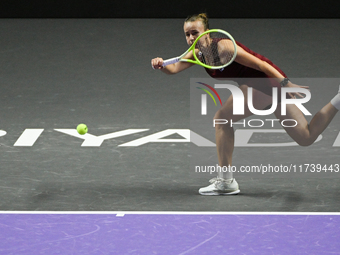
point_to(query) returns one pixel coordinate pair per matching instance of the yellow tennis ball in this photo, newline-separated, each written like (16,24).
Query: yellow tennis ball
(82,129)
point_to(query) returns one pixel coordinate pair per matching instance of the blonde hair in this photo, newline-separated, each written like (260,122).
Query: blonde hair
(202,17)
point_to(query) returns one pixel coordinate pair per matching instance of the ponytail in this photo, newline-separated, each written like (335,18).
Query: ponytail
(202,17)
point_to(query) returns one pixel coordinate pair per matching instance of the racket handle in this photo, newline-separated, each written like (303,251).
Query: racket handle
(170,61)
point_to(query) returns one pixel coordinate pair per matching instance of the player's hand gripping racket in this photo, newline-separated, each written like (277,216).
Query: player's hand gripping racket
(213,49)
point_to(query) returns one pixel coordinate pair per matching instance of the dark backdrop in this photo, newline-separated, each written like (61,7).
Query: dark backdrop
(168,9)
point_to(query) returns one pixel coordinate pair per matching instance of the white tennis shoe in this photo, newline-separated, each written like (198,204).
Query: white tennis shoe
(220,186)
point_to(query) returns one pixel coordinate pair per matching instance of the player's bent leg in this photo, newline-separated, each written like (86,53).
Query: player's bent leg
(298,127)
(303,133)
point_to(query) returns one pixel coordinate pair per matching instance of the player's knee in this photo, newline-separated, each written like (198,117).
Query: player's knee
(222,115)
(305,142)
(221,121)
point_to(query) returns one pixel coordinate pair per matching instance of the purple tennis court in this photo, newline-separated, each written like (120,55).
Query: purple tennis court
(207,233)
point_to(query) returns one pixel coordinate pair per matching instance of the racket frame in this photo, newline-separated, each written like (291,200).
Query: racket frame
(197,61)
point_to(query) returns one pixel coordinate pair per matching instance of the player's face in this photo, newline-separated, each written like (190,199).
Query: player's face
(192,30)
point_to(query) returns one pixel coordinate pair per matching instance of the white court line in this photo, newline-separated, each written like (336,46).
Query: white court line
(123,213)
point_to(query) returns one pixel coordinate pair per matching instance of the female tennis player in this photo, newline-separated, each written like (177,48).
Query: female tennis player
(249,64)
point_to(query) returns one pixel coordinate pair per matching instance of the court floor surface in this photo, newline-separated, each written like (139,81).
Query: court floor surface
(64,194)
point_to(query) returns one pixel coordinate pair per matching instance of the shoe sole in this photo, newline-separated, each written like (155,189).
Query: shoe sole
(220,194)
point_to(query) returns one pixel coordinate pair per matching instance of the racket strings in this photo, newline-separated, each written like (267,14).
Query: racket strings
(215,49)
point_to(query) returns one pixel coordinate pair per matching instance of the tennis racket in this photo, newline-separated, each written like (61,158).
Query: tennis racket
(213,49)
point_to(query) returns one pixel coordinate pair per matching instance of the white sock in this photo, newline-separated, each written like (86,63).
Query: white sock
(225,175)
(336,100)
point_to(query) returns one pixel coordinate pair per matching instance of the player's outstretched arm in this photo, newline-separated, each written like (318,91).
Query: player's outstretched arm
(157,63)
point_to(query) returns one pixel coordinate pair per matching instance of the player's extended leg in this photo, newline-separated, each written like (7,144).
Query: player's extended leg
(224,184)
(303,133)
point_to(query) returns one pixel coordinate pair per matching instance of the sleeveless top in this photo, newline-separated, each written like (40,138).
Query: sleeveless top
(236,71)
